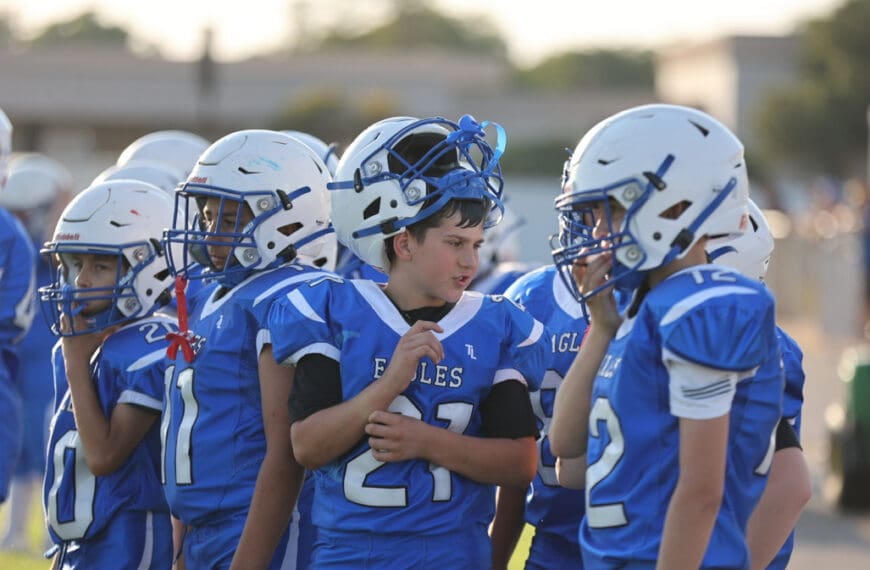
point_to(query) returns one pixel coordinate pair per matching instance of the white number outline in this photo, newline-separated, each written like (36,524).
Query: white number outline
(85,488)
(613,514)
(184,437)
(550,383)
(456,414)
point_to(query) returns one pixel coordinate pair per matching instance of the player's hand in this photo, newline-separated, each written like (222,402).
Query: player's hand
(394,437)
(415,344)
(602,306)
(79,347)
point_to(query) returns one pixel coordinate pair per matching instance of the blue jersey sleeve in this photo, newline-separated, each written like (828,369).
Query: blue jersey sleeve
(136,355)
(526,350)
(17,280)
(792,360)
(727,332)
(299,322)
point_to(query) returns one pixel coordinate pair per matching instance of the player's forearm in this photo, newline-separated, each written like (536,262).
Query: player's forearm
(688,526)
(496,461)
(787,492)
(92,425)
(569,428)
(328,434)
(507,526)
(275,495)
(571,472)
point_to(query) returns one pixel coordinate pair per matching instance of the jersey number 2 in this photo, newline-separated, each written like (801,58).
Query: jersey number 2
(607,515)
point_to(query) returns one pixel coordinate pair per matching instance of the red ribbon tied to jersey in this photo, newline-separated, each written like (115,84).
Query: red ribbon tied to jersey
(182,338)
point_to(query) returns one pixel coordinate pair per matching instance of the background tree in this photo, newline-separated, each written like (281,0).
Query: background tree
(417,26)
(822,122)
(589,70)
(85,28)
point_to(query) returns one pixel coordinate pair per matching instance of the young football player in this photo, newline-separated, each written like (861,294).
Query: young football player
(675,401)
(229,472)
(770,532)
(102,496)
(37,189)
(17,288)
(410,399)
(553,510)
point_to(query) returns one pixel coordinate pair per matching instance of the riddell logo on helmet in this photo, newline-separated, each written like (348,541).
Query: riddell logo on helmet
(71,237)
(198,179)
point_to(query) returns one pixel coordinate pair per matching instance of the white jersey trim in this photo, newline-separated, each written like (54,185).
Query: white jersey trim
(699,392)
(322,348)
(147,360)
(140,399)
(506,374)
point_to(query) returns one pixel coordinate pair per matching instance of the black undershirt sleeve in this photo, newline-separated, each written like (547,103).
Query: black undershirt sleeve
(507,412)
(316,386)
(786,436)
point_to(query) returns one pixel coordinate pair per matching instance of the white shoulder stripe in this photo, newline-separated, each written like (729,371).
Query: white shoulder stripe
(147,360)
(321,348)
(268,293)
(692,301)
(303,307)
(506,374)
(140,399)
(537,331)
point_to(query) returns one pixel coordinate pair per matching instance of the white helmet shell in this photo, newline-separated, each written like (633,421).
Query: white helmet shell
(34,182)
(401,170)
(124,218)
(750,252)
(160,174)
(177,149)
(651,159)
(279,178)
(326,152)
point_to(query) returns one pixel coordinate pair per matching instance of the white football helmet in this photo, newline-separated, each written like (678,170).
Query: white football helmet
(5,146)
(328,153)
(125,218)
(652,160)
(281,181)
(402,170)
(178,149)
(160,174)
(749,253)
(34,184)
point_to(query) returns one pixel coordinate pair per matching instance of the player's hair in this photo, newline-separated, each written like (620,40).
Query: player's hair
(471,213)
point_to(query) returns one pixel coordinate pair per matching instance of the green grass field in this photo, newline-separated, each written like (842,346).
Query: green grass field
(20,561)
(10,560)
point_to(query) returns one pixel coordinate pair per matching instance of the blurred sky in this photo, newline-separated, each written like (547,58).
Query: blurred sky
(532,28)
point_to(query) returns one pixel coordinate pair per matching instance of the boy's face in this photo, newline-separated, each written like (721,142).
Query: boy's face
(89,271)
(222,221)
(445,261)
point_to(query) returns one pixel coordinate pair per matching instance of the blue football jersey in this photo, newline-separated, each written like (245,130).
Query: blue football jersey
(709,316)
(486,340)
(127,369)
(17,306)
(500,278)
(792,404)
(792,359)
(35,379)
(550,507)
(212,425)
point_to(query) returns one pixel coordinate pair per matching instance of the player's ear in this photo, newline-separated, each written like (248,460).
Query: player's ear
(402,245)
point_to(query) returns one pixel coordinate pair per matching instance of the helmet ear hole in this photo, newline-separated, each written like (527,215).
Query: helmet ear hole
(373,208)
